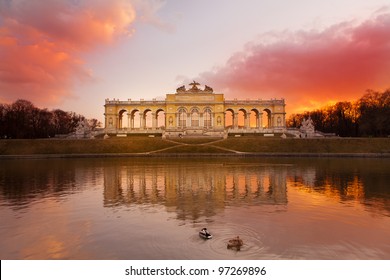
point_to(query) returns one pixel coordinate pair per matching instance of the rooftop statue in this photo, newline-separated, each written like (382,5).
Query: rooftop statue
(194,88)
(208,89)
(181,89)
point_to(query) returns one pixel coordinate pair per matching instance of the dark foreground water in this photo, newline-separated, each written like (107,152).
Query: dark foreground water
(282,208)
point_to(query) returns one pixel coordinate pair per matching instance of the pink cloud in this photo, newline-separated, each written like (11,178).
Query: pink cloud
(42,42)
(310,68)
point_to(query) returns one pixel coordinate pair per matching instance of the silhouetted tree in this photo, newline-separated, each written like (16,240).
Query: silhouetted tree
(22,119)
(368,116)
(94,123)
(19,119)
(374,109)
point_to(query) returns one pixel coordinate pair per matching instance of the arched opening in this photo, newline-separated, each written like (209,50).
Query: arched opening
(194,117)
(207,122)
(160,119)
(267,118)
(123,119)
(135,119)
(254,119)
(182,117)
(241,118)
(147,119)
(229,118)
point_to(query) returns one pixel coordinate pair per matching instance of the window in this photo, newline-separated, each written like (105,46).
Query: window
(207,118)
(182,117)
(194,118)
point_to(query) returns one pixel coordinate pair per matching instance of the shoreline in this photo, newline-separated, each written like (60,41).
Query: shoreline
(246,146)
(184,155)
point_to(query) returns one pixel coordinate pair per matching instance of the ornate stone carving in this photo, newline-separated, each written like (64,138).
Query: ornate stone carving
(215,117)
(208,89)
(307,125)
(194,88)
(181,89)
(307,128)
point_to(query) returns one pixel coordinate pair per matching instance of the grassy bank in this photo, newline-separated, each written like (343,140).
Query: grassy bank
(317,145)
(232,145)
(87,146)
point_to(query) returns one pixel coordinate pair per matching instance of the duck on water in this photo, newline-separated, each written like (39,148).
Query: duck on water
(204,233)
(235,243)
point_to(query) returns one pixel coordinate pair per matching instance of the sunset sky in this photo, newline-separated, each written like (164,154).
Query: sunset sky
(73,54)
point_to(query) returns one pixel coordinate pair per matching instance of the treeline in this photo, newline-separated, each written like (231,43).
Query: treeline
(368,116)
(22,119)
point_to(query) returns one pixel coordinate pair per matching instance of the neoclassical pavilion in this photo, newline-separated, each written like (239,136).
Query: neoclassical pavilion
(195,111)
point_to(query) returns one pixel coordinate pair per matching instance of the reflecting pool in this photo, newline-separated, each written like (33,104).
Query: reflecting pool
(153,208)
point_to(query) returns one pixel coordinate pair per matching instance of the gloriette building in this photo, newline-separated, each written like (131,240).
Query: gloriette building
(195,111)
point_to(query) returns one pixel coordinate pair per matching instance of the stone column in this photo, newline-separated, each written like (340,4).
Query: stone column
(154,121)
(131,121)
(141,120)
(257,120)
(260,120)
(247,120)
(235,120)
(128,121)
(144,121)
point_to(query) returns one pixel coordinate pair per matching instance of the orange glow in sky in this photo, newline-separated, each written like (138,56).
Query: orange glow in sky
(311,69)
(75,54)
(42,43)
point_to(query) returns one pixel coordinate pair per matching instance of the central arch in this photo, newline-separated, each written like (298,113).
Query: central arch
(194,117)
(207,118)
(182,117)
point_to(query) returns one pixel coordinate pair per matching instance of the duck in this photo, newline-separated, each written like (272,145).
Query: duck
(204,233)
(236,243)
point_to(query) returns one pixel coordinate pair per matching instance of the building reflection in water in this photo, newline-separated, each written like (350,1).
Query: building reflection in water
(195,190)
(197,187)
(343,179)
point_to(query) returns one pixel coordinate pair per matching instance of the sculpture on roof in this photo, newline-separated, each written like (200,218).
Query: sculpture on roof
(208,89)
(181,89)
(194,88)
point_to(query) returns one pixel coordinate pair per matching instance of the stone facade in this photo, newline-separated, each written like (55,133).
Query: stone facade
(195,111)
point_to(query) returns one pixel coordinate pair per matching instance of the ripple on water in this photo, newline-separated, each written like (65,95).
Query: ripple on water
(217,246)
(189,245)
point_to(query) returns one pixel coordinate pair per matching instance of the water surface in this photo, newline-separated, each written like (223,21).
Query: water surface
(151,208)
